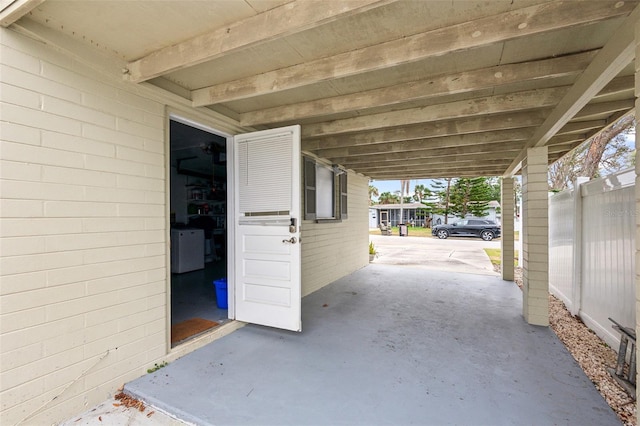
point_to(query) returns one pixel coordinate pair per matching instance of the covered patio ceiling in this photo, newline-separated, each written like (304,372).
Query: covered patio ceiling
(390,89)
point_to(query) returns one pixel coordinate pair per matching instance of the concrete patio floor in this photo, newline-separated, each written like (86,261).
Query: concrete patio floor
(387,344)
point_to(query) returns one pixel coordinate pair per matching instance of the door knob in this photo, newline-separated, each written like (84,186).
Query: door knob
(291,240)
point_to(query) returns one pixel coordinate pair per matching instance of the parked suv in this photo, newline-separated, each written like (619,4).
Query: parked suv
(483,228)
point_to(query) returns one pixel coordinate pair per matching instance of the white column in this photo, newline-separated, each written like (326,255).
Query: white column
(637,93)
(535,237)
(507,207)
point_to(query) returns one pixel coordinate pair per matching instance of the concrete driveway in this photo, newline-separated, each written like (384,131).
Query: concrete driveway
(465,255)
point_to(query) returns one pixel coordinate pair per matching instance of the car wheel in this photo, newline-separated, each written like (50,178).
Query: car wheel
(487,235)
(442,234)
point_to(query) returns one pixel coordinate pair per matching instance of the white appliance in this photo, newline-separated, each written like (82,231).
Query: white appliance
(187,250)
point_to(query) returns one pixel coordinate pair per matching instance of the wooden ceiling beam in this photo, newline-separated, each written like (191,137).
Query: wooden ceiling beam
(432,157)
(436,173)
(13,10)
(421,162)
(618,85)
(530,99)
(581,126)
(493,149)
(563,149)
(286,20)
(566,139)
(450,160)
(608,63)
(597,109)
(434,87)
(433,129)
(478,165)
(485,31)
(431,143)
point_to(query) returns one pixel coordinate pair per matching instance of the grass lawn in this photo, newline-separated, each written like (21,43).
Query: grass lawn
(494,256)
(411,231)
(423,232)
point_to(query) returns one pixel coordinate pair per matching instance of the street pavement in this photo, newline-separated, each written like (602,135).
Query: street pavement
(456,254)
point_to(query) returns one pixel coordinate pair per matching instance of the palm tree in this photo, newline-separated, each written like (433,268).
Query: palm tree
(404,189)
(421,192)
(373,192)
(388,198)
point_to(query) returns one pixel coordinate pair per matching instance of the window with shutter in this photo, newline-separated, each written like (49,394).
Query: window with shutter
(325,193)
(309,189)
(343,195)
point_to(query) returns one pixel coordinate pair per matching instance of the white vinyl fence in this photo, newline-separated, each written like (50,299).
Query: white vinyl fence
(592,252)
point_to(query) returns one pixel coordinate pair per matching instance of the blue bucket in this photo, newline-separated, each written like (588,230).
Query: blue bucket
(221,293)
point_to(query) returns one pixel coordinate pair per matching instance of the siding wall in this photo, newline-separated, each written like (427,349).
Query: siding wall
(83,238)
(333,250)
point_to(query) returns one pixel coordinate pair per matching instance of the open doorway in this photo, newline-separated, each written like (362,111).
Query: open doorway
(384,218)
(198,188)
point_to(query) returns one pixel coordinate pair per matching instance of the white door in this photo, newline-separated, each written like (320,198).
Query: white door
(267,219)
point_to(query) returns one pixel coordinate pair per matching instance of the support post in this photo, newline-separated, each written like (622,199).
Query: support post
(507,207)
(535,237)
(637,93)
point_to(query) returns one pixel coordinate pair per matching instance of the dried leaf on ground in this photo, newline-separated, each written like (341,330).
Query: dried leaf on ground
(130,402)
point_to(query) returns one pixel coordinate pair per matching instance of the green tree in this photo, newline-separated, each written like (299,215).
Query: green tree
(605,153)
(442,188)
(373,192)
(420,192)
(388,198)
(407,199)
(496,189)
(470,196)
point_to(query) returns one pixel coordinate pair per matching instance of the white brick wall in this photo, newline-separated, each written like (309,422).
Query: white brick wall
(535,237)
(82,234)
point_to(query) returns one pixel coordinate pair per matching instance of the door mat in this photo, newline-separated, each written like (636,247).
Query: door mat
(185,329)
